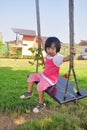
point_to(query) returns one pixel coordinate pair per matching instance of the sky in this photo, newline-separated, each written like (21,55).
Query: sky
(54,18)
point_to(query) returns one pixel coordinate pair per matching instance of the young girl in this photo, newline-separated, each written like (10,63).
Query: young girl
(50,74)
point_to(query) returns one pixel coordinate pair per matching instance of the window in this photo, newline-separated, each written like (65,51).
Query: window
(85,49)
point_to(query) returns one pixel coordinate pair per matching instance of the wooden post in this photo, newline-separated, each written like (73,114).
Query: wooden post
(38,18)
(38,32)
(38,28)
(71,32)
(16,43)
(8,49)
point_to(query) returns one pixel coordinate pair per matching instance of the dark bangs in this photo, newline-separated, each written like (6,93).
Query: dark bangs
(53,40)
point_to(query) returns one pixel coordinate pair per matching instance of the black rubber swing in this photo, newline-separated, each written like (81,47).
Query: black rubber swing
(57,92)
(63,91)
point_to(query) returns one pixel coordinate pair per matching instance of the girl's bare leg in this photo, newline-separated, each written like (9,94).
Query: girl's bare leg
(30,86)
(27,95)
(41,97)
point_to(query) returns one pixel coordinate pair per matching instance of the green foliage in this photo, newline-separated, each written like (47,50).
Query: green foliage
(37,55)
(1,43)
(3,50)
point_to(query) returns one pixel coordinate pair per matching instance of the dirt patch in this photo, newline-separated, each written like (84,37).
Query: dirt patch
(8,123)
(5,122)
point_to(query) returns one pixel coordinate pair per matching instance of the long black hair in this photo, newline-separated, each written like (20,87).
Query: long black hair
(55,41)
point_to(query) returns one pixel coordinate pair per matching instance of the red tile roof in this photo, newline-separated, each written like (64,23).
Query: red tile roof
(83,43)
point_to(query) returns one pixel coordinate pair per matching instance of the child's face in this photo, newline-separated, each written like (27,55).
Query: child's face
(51,50)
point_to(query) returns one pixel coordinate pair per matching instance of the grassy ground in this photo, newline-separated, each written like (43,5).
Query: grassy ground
(13,83)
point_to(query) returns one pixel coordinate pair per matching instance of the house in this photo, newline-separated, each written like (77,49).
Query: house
(83,45)
(28,40)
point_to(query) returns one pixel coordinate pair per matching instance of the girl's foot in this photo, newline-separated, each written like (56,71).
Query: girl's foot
(26,95)
(39,108)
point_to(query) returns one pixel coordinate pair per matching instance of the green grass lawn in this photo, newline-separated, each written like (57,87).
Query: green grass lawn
(13,83)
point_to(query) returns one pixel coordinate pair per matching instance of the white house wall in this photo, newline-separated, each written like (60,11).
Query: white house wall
(26,46)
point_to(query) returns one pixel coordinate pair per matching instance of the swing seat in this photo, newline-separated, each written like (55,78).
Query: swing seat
(57,92)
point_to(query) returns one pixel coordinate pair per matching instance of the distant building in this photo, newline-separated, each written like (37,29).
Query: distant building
(28,40)
(83,45)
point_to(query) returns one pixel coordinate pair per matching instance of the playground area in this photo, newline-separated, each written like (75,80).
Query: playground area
(61,92)
(17,114)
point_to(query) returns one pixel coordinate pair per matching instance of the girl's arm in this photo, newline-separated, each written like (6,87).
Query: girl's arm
(67,58)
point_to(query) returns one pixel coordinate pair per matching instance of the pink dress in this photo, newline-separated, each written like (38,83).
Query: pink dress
(50,74)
